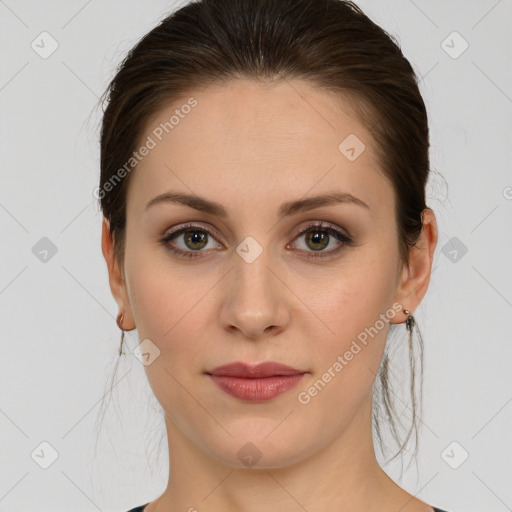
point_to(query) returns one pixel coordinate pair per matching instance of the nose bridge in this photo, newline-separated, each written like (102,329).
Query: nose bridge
(255,298)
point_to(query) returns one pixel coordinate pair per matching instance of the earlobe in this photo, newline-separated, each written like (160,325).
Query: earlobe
(416,276)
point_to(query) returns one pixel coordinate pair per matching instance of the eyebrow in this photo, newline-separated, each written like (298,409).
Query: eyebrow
(286,209)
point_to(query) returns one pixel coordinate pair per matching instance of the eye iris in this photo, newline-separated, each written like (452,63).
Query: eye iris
(195,237)
(317,237)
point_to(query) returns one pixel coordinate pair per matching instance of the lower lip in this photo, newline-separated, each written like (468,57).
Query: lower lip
(256,390)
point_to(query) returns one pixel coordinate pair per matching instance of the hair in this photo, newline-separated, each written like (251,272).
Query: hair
(330,44)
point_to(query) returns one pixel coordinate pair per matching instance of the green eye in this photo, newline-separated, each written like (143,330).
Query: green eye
(196,238)
(318,237)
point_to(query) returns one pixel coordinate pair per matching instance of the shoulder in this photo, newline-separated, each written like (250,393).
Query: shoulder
(439,510)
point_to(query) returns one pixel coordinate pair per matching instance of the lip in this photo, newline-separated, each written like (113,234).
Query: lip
(247,371)
(255,383)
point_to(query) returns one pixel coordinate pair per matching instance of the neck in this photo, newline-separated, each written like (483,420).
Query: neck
(342,475)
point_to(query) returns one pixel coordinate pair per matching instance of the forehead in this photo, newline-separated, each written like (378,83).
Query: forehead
(284,136)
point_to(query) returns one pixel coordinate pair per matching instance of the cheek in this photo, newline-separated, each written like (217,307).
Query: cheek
(347,360)
(162,296)
(357,308)
(167,310)
(172,307)
(153,302)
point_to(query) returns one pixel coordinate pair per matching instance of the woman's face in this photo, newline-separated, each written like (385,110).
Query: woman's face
(253,289)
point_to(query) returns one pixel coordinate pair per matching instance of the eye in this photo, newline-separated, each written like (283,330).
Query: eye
(319,236)
(194,238)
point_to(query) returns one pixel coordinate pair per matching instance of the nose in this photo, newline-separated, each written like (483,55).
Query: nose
(254,303)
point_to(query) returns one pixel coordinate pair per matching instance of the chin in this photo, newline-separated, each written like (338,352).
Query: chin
(260,452)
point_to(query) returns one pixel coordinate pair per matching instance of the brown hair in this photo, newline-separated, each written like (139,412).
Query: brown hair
(330,43)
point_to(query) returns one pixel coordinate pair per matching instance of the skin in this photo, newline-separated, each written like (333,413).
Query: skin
(251,146)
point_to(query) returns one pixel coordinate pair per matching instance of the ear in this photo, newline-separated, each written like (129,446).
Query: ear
(116,278)
(416,276)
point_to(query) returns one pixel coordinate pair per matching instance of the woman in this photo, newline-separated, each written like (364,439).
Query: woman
(263,173)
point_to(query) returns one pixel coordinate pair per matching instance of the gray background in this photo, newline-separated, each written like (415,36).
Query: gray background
(60,339)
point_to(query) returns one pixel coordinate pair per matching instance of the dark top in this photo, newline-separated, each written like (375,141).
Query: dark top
(141,509)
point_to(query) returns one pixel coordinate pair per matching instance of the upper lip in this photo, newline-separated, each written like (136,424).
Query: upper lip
(244,370)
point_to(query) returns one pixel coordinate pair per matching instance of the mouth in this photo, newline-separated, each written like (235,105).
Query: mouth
(247,371)
(257,383)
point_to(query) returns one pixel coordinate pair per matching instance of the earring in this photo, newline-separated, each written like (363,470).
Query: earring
(119,321)
(410,321)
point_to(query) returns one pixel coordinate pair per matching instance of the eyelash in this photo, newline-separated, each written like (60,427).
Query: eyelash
(320,227)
